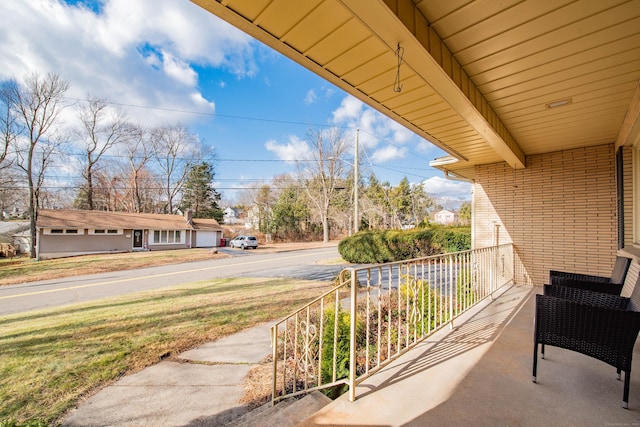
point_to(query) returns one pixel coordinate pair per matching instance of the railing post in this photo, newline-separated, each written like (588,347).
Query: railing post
(352,338)
(451,291)
(274,349)
(513,263)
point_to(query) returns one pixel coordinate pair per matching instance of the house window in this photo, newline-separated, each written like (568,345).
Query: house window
(103,231)
(167,237)
(65,231)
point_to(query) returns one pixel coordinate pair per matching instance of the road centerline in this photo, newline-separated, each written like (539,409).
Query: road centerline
(151,276)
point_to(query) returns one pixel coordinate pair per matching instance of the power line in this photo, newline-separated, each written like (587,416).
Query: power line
(143,189)
(226,116)
(397,145)
(266,120)
(401,171)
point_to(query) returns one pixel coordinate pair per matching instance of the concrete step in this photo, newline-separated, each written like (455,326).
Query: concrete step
(287,413)
(252,417)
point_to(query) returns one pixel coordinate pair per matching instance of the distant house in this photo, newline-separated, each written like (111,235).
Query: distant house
(13,213)
(75,232)
(446,217)
(257,216)
(231,215)
(253,218)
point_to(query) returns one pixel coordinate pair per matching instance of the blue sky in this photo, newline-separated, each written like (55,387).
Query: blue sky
(169,60)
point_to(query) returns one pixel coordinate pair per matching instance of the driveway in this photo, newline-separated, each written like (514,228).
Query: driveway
(10,227)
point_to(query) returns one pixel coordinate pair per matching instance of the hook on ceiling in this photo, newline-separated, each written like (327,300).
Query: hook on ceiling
(397,87)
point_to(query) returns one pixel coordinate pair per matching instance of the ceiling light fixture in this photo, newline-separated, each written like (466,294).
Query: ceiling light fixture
(559,103)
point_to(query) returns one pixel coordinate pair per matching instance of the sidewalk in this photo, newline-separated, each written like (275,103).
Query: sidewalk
(204,390)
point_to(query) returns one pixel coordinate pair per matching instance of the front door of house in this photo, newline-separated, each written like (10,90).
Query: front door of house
(137,239)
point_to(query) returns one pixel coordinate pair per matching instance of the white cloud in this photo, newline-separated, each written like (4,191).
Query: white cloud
(198,99)
(328,92)
(424,146)
(382,138)
(310,98)
(388,153)
(139,52)
(400,134)
(445,188)
(349,110)
(294,149)
(179,70)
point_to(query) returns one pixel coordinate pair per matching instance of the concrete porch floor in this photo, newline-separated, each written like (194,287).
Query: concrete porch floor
(479,374)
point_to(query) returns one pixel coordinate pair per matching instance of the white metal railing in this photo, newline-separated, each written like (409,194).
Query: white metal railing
(376,313)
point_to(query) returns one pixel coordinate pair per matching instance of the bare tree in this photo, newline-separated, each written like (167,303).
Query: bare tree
(102,128)
(264,202)
(37,105)
(10,129)
(322,169)
(175,150)
(139,180)
(107,181)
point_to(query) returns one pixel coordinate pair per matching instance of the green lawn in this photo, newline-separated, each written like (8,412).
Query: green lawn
(51,358)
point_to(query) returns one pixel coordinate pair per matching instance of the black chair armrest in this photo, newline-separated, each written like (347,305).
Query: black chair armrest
(578,276)
(582,296)
(605,287)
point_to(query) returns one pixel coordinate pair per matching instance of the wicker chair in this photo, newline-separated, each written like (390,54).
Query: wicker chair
(610,285)
(602,326)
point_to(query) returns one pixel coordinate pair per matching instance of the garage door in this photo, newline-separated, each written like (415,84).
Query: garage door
(206,239)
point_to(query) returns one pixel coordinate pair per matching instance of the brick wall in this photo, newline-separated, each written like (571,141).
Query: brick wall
(627,157)
(560,211)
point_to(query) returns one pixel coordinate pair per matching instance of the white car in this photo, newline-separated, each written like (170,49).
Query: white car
(244,242)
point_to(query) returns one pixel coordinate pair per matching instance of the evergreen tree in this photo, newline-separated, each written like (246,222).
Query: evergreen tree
(291,212)
(401,203)
(378,213)
(199,195)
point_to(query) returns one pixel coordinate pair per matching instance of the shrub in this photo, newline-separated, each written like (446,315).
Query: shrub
(28,423)
(466,296)
(369,247)
(452,239)
(425,303)
(365,247)
(342,350)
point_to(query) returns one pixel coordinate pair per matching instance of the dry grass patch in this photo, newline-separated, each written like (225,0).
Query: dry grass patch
(52,358)
(258,384)
(23,269)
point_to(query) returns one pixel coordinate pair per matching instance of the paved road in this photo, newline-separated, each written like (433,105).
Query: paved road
(301,264)
(10,227)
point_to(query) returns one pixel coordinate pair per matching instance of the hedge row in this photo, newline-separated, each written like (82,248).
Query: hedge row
(395,245)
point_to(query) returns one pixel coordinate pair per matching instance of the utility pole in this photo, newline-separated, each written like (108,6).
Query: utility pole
(356,179)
